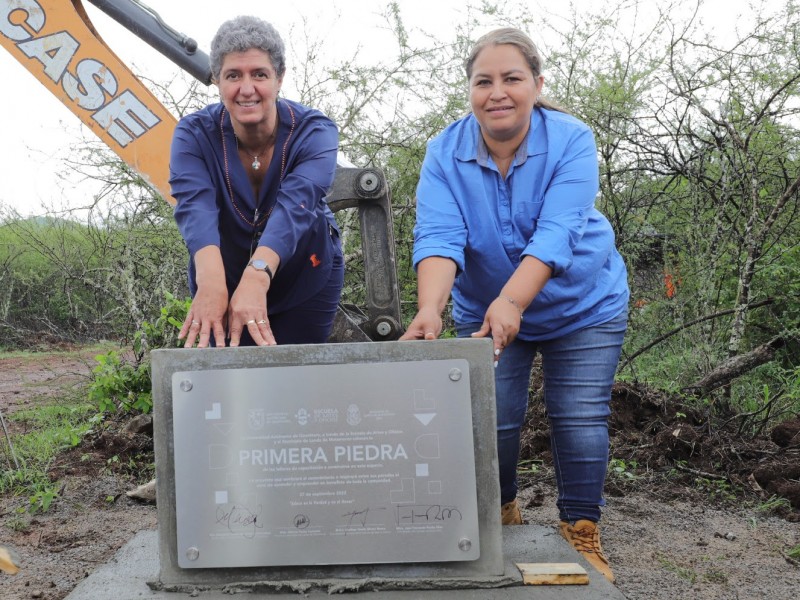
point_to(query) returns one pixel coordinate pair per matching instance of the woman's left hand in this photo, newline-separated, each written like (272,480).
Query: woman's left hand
(248,308)
(503,321)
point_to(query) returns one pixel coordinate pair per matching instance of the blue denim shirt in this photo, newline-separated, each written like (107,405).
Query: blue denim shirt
(300,226)
(544,208)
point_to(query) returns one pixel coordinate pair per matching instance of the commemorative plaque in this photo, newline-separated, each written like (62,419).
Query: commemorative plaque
(325,464)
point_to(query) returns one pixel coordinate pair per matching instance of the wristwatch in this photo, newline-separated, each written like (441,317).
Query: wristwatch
(261,265)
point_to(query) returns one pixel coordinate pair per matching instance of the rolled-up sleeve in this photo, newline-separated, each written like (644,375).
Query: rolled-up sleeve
(196,211)
(440,229)
(568,200)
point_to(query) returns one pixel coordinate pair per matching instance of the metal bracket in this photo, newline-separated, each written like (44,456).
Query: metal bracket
(367,190)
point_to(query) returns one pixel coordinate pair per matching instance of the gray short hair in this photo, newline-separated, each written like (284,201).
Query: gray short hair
(244,33)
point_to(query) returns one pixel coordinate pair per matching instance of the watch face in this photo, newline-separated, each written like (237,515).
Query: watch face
(259,264)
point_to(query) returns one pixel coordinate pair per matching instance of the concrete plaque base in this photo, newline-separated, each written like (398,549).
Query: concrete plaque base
(255,447)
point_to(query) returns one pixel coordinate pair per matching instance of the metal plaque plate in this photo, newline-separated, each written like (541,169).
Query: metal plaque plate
(325,464)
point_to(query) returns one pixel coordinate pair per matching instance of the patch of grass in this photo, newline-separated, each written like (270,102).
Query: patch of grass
(19,481)
(717,489)
(794,553)
(140,466)
(88,350)
(683,572)
(715,576)
(33,483)
(53,427)
(773,504)
(50,429)
(18,523)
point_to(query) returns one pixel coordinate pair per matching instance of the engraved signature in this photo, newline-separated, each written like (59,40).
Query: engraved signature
(359,518)
(301,521)
(240,519)
(427,513)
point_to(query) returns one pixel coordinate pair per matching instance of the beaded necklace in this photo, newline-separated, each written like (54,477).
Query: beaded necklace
(256,164)
(255,223)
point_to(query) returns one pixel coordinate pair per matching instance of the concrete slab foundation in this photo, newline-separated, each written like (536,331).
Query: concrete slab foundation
(150,565)
(125,577)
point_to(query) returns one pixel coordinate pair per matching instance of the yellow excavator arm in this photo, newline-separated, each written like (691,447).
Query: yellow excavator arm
(56,42)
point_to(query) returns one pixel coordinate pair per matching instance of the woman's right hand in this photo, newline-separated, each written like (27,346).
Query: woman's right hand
(206,316)
(426,325)
(435,276)
(210,303)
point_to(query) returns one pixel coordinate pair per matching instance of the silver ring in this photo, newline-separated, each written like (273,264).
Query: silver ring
(195,322)
(251,321)
(262,322)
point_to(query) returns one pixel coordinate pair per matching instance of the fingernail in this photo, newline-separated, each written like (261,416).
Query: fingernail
(495,364)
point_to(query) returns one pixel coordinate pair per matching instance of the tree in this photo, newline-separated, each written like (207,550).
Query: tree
(698,145)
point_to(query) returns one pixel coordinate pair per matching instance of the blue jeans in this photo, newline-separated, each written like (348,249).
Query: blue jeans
(578,374)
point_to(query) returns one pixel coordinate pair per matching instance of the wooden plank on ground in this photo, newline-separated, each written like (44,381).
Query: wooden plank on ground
(7,562)
(553,574)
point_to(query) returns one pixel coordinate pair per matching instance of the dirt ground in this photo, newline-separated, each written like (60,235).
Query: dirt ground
(687,511)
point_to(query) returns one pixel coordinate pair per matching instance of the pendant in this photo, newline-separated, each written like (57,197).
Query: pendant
(256,163)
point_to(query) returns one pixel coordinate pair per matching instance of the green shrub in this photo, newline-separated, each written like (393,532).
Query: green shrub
(163,332)
(120,385)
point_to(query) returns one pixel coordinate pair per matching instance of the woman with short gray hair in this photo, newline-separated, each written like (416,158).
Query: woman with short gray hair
(249,175)
(244,33)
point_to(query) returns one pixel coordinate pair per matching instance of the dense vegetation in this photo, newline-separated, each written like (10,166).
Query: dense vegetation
(698,142)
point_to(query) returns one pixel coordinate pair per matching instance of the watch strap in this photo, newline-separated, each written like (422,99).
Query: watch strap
(266,269)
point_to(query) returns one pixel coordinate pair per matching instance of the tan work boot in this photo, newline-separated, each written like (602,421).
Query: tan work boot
(509,513)
(584,536)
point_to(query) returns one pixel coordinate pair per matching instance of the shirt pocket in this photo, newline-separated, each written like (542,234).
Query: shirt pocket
(526,211)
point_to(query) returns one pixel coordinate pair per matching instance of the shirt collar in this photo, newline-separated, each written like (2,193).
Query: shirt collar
(475,148)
